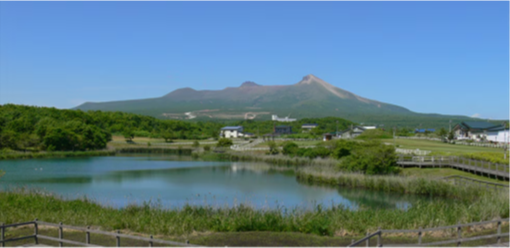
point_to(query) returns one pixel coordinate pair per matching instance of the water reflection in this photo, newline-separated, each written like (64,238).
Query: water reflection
(119,181)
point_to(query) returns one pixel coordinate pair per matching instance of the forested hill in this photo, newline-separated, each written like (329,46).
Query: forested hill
(42,128)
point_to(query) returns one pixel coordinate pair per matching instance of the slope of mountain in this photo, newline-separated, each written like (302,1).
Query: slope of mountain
(311,97)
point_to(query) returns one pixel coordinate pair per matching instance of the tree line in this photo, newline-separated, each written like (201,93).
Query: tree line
(41,128)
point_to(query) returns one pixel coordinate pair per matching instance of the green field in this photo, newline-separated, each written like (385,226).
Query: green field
(445,172)
(437,146)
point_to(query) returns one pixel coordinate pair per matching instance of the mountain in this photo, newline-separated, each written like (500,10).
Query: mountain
(310,97)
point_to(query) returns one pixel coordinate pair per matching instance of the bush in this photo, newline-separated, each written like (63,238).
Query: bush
(273,148)
(289,148)
(372,159)
(195,144)
(224,142)
(207,148)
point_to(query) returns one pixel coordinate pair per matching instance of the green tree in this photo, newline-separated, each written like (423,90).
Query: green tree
(273,148)
(289,148)
(167,135)
(195,144)
(128,134)
(224,142)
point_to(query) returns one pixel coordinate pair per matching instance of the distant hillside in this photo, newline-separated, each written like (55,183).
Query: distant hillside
(311,97)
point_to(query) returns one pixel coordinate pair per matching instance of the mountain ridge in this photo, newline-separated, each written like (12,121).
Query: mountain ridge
(310,97)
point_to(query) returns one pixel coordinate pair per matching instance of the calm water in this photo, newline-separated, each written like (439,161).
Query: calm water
(172,181)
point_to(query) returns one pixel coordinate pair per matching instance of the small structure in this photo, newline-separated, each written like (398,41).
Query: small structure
(307,127)
(279,130)
(424,130)
(498,134)
(285,119)
(327,136)
(232,132)
(354,132)
(473,130)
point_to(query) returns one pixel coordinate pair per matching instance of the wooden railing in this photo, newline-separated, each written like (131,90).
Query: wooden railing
(458,240)
(457,180)
(36,236)
(478,166)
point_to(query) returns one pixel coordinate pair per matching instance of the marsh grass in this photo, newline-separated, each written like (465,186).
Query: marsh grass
(22,205)
(67,154)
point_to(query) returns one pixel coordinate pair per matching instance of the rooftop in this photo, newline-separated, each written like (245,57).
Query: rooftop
(232,128)
(479,124)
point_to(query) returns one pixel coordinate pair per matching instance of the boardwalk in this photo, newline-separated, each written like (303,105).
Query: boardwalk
(474,166)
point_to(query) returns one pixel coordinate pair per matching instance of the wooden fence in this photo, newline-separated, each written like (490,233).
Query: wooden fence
(483,168)
(419,234)
(460,180)
(36,236)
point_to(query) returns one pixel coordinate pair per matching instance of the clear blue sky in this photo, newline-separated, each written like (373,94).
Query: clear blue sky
(430,57)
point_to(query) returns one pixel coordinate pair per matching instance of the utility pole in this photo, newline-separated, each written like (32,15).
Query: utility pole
(506,143)
(394,141)
(337,128)
(450,130)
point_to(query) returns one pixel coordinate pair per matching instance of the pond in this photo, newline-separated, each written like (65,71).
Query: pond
(173,181)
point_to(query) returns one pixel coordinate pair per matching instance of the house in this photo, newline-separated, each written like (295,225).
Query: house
(424,130)
(232,132)
(498,134)
(282,130)
(473,130)
(286,119)
(354,132)
(307,127)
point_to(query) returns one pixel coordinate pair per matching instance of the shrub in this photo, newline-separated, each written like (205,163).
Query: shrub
(224,142)
(372,159)
(207,148)
(289,148)
(273,148)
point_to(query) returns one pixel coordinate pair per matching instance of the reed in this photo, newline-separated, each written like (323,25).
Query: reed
(27,155)
(22,205)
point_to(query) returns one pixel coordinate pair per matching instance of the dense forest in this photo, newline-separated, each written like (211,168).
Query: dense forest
(51,129)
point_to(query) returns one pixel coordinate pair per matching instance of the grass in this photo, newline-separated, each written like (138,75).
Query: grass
(299,143)
(471,204)
(260,239)
(444,172)
(27,155)
(437,146)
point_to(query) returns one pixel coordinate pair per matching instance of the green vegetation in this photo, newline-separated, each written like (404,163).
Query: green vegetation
(437,173)
(68,154)
(472,204)
(374,134)
(224,142)
(370,157)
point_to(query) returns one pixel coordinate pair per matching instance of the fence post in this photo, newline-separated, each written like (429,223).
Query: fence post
(36,232)
(2,235)
(60,234)
(419,236)
(150,242)
(352,241)
(459,234)
(118,239)
(187,242)
(368,240)
(499,231)
(379,239)
(87,236)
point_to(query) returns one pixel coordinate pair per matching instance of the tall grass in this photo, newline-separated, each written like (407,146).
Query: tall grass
(26,155)
(23,205)
(399,184)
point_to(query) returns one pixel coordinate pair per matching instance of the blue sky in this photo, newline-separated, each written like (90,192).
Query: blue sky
(430,57)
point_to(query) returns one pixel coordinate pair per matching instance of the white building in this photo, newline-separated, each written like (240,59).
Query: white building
(232,132)
(498,134)
(286,119)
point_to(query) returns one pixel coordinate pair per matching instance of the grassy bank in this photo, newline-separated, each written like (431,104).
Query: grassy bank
(23,205)
(25,155)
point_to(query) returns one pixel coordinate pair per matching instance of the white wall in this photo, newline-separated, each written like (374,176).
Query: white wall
(231,134)
(498,136)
